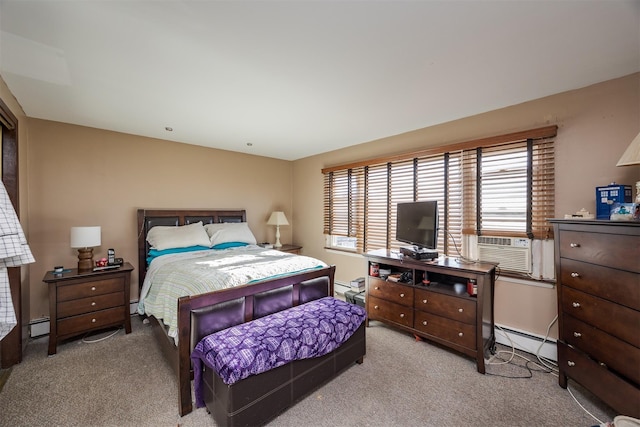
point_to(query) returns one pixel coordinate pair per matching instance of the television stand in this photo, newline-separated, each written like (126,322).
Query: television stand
(418,253)
(428,302)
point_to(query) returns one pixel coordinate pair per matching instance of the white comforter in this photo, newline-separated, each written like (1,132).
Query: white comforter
(170,277)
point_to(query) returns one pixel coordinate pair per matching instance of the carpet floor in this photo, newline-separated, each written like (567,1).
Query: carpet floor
(123,380)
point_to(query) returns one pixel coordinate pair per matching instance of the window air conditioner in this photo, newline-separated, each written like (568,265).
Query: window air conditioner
(512,253)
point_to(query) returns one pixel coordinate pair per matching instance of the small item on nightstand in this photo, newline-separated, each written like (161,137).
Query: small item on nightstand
(102,262)
(266,245)
(58,269)
(472,287)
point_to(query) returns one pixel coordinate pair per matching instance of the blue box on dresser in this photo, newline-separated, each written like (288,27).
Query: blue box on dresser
(607,195)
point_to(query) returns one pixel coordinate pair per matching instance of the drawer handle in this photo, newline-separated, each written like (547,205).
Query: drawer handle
(570,363)
(401,295)
(93,320)
(574,274)
(376,307)
(424,322)
(93,303)
(377,288)
(577,334)
(401,315)
(575,304)
(460,334)
(574,245)
(424,301)
(460,310)
(93,288)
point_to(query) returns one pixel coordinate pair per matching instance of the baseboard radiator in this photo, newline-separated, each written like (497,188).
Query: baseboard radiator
(526,341)
(40,327)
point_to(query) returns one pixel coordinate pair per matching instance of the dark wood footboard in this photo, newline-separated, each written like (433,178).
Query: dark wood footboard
(201,315)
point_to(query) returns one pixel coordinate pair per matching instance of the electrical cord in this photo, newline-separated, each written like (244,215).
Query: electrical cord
(544,364)
(85,340)
(463,259)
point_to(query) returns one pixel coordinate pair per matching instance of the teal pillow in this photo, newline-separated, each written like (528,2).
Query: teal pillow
(153,253)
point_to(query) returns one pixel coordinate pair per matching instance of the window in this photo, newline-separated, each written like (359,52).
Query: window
(500,186)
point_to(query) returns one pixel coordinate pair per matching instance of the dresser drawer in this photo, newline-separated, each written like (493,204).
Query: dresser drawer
(613,390)
(618,355)
(615,319)
(390,291)
(88,289)
(86,305)
(456,332)
(460,309)
(612,250)
(622,287)
(385,310)
(86,322)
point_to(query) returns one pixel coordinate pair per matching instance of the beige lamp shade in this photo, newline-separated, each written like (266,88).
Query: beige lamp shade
(85,239)
(631,156)
(277,218)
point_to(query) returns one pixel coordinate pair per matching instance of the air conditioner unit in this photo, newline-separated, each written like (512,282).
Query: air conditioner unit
(512,253)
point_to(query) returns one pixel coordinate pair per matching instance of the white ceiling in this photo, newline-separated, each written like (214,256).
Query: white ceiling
(297,78)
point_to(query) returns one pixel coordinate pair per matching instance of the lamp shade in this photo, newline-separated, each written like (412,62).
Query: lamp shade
(631,156)
(85,237)
(277,218)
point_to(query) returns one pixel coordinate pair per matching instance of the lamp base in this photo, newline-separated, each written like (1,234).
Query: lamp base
(85,259)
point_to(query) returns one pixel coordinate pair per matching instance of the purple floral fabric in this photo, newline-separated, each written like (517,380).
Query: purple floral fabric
(306,331)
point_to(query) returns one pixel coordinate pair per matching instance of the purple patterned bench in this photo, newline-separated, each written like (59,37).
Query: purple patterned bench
(249,373)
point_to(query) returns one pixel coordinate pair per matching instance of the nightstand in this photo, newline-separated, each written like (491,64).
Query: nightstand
(83,302)
(293,249)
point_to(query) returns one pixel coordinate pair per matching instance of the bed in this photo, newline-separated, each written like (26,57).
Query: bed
(200,315)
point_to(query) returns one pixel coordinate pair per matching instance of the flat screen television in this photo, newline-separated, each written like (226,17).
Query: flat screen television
(417,224)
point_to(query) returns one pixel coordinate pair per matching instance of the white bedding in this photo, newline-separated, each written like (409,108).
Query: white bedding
(170,277)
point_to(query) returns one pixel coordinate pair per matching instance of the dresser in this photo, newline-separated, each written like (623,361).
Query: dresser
(84,302)
(431,300)
(598,285)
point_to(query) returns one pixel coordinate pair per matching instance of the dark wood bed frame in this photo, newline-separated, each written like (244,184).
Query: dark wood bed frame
(201,315)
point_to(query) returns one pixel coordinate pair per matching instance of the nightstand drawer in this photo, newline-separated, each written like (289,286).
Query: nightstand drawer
(86,322)
(86,305)
(88,289)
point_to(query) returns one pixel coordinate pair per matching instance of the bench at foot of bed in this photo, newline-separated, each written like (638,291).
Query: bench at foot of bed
(248,374)
(257,399)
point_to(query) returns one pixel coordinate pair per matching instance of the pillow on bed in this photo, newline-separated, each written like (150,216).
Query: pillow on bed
(230,232)
(163,237)
(154,253)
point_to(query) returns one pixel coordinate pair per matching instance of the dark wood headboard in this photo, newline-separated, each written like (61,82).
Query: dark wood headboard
(148,218)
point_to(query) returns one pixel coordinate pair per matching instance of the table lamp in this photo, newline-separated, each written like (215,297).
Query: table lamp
(85,239)
(278,218)
(631,156)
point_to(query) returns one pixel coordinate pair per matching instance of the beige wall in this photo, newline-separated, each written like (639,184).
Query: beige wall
(595,125)
(72,175)
(84,176)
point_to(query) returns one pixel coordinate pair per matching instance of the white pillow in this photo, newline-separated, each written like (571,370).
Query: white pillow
(230,232)
(163,237)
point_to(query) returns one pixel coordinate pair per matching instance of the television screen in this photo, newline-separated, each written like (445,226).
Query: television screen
(417,224)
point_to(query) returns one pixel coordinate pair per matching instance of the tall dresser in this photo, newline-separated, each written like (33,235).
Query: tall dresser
(598,283)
